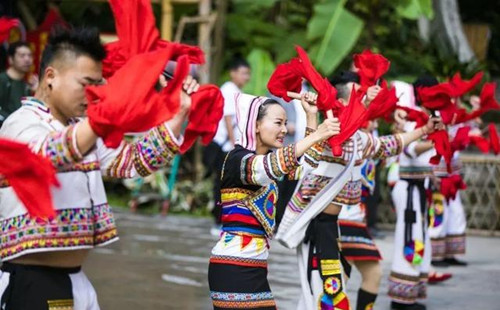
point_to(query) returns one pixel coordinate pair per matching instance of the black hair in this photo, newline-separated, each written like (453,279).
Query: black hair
(238,63)
(263,108)
(340,82)
(11,51)
(423,81)
(79,41)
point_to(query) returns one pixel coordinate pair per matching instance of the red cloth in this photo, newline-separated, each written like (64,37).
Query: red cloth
(435,97)
(443,148)
(460,87)
(462,139)
(488,100)
(481,143)
(206,111)
(112,112)
(351,118)
(286,77)
(371,67)
(383,104)
(494,141)
(137,33)
(30,175)
(6,24)
(327,94)
(420,117)
(451,185)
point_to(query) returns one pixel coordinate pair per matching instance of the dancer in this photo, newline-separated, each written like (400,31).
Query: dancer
(42,257)
(238,265)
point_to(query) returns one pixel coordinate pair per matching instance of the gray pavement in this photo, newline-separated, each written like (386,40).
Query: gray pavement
(161,263)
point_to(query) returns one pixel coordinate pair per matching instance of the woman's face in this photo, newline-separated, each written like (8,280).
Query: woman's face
(271,129)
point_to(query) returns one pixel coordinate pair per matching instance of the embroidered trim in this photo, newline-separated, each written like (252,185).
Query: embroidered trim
(239,261)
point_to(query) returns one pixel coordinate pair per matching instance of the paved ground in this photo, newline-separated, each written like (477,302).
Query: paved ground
(161,263)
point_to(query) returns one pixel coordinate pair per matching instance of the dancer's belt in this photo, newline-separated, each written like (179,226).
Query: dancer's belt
(412,249)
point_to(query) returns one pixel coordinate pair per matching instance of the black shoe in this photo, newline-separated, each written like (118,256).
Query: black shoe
(455,262)
(400,306)
(440,263)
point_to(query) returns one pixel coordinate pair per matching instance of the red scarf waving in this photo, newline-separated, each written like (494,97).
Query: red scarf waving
(204,116)
(420,117)
(462,139)
(112,112)
(494,141)
(383,104)
(451,185)
(286,77)
(137,33)
(443,148)
(30,176)
(460,87)
(371,68)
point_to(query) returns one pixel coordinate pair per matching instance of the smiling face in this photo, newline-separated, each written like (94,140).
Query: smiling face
(271,127)
(68,80)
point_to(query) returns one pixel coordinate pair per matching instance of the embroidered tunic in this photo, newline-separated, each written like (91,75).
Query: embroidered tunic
(83,217)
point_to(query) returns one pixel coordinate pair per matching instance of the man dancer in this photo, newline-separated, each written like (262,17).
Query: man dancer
(42,258)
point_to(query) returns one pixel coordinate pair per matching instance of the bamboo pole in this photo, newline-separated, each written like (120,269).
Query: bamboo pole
(167,19)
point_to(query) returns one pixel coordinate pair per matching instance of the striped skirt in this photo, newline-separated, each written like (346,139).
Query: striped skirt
(356,242)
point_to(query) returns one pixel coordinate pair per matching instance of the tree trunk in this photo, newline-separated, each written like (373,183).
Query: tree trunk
(449,31)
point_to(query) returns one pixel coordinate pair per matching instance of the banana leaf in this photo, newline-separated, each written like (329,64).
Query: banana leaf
(262,67)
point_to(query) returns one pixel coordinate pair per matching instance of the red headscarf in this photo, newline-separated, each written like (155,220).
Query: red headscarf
(30,176)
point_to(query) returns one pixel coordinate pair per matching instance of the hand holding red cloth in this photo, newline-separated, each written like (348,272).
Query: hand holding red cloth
(207,108)
(383,104)
(371,67)
(443,148)
(30,176)
(129,101)
(494,140)
(451,185)
(420,117)
(435,97)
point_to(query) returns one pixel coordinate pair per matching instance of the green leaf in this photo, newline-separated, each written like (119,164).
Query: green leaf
(250,6)
(414,9)
(262,67)
(333,31)
(285,49)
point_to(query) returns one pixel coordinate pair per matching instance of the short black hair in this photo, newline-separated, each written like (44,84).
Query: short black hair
(11,51)
(80,41)
(263,108)
(423,81)
(237,63)
(340,83)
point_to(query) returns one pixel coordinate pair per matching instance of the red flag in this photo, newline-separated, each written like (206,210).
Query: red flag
(30,178)
(6,24)
(494,141)
(371,67)
(286,77)
(204,116)
(460,87)
(113,112)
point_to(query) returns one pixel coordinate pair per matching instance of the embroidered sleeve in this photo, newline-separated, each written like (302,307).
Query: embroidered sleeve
(385,146)
(313,155)
(60,147)
(151,152)
(264,169)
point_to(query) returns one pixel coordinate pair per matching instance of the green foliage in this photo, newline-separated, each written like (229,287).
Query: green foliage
(262,68)
(413,9)
(333,31)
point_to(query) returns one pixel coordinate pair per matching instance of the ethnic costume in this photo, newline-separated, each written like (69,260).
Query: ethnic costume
(412,249)
(238,265)
(319,260)
(83,218)
(447,222)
